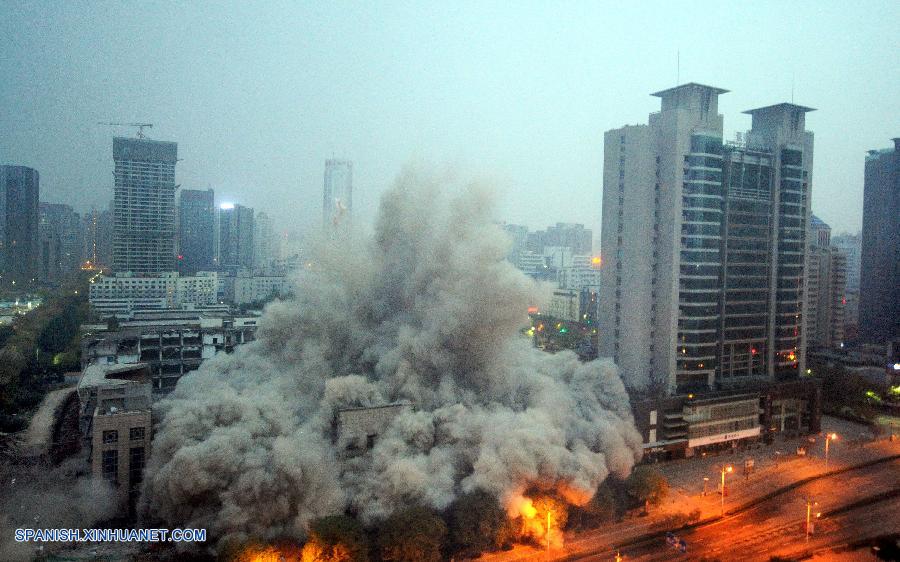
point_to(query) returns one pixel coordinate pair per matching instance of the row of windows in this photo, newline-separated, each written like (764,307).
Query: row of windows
(706,144)
(134,434)
(703,161)
(746,307)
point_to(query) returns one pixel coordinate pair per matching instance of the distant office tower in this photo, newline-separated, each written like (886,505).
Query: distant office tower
(703,245)
(98,238)
(851,246)
(235,238)
(879,288)
(518,235)
(19,225)
(61,241)
(337,209)
(826,281)
(196,231)
(144,205)
(263,243)
(573,236)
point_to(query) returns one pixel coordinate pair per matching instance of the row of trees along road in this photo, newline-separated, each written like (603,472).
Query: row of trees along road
(473,524)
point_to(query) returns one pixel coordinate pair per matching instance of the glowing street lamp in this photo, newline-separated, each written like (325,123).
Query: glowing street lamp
(828,438)
(725,468)
(809,506)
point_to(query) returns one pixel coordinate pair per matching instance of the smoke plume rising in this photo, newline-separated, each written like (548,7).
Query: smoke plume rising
(427,313)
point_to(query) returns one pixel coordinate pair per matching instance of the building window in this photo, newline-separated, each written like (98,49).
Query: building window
(111,436)
(136,433)
(111,465)
(136,458)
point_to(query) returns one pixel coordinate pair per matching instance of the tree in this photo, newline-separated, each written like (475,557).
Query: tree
(337,538)
(478,523)
(600,509)
(415,534)
(647,485)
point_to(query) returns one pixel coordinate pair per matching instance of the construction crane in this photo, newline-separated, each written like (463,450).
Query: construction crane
(140,126)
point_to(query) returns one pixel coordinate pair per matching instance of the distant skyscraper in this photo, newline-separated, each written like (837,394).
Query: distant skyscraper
(570,235)
(196,231)
(98,238)
(19,224)
(337,207)
(263,243)
(61,241)
(144,205)
(235,238)
(879,289)
(826,280)
(850,245)
(703,245)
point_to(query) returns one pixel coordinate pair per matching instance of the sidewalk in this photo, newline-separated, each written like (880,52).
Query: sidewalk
(771,472)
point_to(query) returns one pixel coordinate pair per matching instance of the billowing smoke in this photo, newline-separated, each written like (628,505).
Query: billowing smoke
(428,313)
(39,496)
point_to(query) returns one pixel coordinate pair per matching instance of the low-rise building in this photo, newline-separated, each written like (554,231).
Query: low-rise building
(123,294)
(116,421)
(356,429)
(683,426)
(171,344)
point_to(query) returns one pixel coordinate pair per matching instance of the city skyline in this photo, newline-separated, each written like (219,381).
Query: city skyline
(457,118)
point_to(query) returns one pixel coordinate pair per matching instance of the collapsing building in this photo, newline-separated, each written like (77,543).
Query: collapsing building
(115,423)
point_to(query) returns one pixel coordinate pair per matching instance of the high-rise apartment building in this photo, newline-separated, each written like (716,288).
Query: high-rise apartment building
(61,243)
(144,205)
(98,238)
(196,231)
(19,225)
(826,280)
(703,245)
(879,288)
(235,238)
(850,245)
(571,235)
(263,243)
(337,207)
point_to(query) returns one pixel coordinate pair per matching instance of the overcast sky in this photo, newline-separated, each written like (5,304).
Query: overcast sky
(259,94)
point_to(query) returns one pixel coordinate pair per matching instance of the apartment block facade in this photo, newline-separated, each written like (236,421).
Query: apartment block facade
(704,246)
(144,205)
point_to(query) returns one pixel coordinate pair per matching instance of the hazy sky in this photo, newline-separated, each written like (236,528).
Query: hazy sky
(259,94)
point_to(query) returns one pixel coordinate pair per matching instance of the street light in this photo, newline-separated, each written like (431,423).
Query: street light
(809,505)
(725,468)
(828,438)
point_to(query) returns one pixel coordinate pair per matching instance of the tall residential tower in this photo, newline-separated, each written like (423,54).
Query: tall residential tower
(703,245)
(337,204)
(144,205)
(196,231)
(19,225)
(879,289)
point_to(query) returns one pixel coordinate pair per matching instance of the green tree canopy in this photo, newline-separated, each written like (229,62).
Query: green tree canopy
(647,485)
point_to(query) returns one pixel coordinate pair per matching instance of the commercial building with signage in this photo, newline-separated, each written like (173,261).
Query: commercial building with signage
(683,426)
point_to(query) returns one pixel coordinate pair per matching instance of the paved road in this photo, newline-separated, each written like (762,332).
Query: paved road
(855,505)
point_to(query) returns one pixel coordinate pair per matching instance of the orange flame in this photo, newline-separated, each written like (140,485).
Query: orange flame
(539,516)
